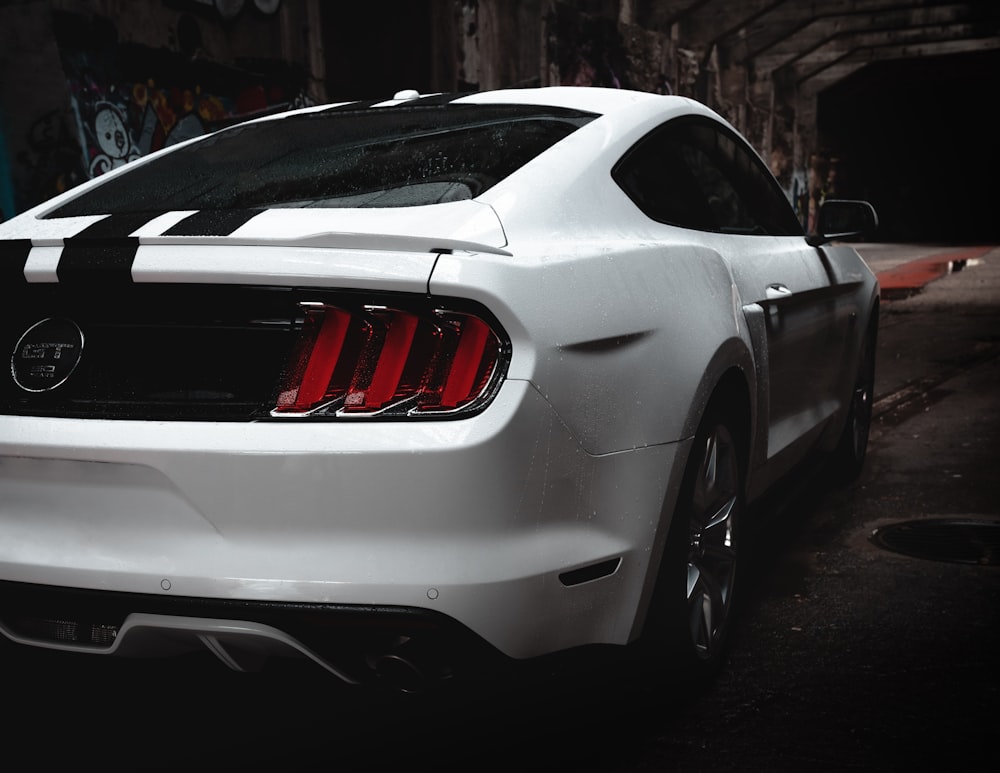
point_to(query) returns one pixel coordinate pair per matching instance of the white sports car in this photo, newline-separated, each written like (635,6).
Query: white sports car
(399,387)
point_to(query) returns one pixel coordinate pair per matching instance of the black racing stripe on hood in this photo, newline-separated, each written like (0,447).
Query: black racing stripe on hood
(212,222)
(13,257)
(103,252)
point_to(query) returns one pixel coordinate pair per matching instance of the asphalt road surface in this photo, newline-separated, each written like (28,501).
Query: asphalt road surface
(848,656)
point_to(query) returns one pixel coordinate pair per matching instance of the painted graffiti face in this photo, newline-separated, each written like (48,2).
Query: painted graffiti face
(113,140)
(111,133)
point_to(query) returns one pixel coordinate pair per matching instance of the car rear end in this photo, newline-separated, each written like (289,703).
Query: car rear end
(244,425)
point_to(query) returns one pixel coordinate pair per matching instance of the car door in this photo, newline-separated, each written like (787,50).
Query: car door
(806,327)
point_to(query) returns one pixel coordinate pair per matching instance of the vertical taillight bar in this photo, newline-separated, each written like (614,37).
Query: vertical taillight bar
(316,356)
(373,390)
(368,360)
(467,364)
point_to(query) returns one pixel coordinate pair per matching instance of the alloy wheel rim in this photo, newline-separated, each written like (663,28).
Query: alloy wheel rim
(711,565)
(861,419)
(861,410)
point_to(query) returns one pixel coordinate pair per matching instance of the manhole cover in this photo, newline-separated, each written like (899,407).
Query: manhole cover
(958,540)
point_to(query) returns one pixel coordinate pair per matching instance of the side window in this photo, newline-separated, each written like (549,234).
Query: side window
(695,173)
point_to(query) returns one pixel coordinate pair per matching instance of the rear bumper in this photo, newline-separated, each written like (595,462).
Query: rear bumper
(499,523)
(356,644)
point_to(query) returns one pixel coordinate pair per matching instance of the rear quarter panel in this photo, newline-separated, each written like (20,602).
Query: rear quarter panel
(624,341)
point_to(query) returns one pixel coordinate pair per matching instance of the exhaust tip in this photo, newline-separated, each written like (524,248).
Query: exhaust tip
(400,673)
(408,668)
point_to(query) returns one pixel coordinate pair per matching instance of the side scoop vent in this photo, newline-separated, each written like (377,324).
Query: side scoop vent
(590,572)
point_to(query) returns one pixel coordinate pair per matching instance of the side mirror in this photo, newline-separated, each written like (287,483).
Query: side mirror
(841,219)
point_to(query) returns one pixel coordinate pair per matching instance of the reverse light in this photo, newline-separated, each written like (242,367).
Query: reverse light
(374,360)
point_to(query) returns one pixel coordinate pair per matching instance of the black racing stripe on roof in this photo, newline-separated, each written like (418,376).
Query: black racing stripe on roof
(435,99)
(103,252)
(212,222)
(429,101)
(351,106)
(13,257)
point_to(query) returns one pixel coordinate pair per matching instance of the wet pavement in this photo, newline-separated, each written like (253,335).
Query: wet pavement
(847,657)
(910,278)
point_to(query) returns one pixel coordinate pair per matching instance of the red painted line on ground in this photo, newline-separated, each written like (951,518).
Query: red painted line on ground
(917,273)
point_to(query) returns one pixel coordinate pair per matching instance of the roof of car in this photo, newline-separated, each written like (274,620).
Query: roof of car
(591,98)
(594,99)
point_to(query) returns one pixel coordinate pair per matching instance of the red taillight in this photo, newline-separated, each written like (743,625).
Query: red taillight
(316,356)
(379,360)
(466,374)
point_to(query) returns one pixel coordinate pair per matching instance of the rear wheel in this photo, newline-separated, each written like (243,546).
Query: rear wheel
(849,456)
(693,606)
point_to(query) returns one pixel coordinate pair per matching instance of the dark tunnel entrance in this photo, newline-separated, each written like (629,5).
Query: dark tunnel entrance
(916,137)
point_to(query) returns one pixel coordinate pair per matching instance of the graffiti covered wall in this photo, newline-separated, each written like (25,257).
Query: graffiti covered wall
(78,97)
(126,109)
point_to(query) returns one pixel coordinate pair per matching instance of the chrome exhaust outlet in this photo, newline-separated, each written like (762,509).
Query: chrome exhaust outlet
(408,667)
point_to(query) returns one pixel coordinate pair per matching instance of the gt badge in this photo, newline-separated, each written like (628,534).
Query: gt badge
(46,355)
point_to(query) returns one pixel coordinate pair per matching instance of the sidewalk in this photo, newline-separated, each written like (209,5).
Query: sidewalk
(950,318)
(908,274)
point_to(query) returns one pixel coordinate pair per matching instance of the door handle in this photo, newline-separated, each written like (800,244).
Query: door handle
(777,290)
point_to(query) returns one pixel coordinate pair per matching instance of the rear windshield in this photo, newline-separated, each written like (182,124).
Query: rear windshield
(376,157)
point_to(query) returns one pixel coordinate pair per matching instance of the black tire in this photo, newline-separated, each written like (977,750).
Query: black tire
(691,616)
(849,455)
